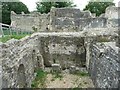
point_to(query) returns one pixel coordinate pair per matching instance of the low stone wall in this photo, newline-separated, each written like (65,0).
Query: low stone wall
(104,65)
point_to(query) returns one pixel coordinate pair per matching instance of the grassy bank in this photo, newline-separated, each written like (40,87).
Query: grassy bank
(6,38)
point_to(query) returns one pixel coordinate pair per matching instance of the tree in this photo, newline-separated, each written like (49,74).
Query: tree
(97,6)
(44,7)
(0,12)
(7,7)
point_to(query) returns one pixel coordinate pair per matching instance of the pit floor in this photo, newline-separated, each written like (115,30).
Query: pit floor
(68,81)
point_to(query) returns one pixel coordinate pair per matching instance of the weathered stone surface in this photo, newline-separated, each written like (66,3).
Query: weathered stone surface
(65,20)
(112,12)
(74,20)
(104,65)
(20,58)
(28,22)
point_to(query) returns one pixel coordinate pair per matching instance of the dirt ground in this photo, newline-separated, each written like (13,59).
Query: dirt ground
(69,81)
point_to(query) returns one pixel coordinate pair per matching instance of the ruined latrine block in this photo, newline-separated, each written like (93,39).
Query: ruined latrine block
(64,50)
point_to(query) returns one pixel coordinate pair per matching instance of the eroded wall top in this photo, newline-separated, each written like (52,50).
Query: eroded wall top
(66,20)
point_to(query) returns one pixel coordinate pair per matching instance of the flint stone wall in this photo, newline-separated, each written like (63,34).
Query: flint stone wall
(70,19)
(72,25)
(104,65)
(66,50)
(30,21)
(20,59)
(112,14)
(66,19)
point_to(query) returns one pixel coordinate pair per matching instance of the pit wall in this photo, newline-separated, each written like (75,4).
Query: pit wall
(64,50)
(104,65)
(20,59)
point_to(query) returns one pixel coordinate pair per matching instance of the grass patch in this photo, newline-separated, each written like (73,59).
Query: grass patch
(103,39)
(78,73)
(40,79)
(76,88)
(56,75)
(8,31)
(6,38)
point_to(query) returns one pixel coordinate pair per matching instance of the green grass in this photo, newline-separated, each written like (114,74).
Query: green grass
(13,32)
(40,79)
(103,39)
(56,75)
(76,88)
(81,74)
(6,38)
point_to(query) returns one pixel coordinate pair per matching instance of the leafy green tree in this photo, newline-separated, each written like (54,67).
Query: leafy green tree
(44,7)
(0,12)
(97,6)
(7,7)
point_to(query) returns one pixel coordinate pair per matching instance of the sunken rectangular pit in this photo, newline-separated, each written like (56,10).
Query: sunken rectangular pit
(63,49)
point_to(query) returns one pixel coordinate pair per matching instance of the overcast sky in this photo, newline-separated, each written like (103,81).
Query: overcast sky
(31,4)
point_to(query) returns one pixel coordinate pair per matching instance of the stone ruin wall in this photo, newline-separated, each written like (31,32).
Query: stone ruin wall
(112,14)
(65,20)
(31,21)
(20,59)
(102,59)
(44,49)
(72,20)
(104,65)
(75,20)
(38,51)
(63,49)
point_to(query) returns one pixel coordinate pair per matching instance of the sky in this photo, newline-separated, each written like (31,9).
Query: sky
(31,4)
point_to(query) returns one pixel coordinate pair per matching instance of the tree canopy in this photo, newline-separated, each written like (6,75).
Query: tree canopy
(7,7)
(98,6)
(44,7)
